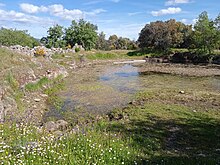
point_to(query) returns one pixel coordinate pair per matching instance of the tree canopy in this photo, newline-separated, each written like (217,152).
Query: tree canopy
(10,37)
(203,37)
(83,33)
(161,35)
(207,33)
(55,37)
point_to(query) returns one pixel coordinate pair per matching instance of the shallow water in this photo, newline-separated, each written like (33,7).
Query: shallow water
(99,90)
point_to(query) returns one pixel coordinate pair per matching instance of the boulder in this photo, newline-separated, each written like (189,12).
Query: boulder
(62,125)
(50,126)
(59,125)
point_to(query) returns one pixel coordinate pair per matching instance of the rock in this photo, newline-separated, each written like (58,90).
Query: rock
(10,108)
(133,103)
(58,133)
(62,125)
(2,92)
(48,52)
(75,130)
(37,100)
(202,155)
(50,126)
(98,117)
(44,95)
(182,92)
(2,116)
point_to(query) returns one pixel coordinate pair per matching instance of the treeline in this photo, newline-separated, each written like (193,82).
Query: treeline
(85,34)
(10,37)
(114,43)
(204,37)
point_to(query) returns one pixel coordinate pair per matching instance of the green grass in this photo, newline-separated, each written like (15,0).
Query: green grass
(102,56)
(38,85)
(23,145)
(110,55)
(15,91)
(58,56)
(150,132)
(55,86)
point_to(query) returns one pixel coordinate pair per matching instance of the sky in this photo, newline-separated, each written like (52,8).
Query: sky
(124,18)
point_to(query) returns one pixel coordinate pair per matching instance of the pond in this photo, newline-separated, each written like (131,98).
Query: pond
(100,89)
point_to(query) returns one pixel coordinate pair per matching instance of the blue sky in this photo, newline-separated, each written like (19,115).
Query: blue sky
(121,17)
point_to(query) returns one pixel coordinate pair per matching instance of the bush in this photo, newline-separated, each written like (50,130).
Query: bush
(40,52)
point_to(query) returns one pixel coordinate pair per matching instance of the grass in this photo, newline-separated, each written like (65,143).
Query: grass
(110,55)
(55,85)
(185,131)
(15,91)
(149,132)
(26,146)
(161,126)
(102,56)
(38,85)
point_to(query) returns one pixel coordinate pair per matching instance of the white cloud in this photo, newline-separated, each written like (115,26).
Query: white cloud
(134,13)
(58,10)
(95,12)
(13,16)
(31,9)
(175,2)
(170,10)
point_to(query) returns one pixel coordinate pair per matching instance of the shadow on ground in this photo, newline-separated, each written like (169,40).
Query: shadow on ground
(191,140)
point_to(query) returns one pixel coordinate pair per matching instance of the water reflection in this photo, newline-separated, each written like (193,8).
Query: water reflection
(122,78)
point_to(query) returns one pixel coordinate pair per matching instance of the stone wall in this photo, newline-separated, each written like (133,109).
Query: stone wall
(48,52)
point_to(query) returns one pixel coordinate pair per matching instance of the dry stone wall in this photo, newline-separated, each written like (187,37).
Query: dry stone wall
(48,52)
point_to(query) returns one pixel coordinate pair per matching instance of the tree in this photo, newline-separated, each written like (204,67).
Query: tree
(55,37)
(205,34)
(82,33)
(102,43)
(113,41)
(10,37)
(217,26)
(161,35)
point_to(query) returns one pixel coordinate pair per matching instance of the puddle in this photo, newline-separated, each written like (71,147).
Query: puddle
(122,78)
(99,90)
